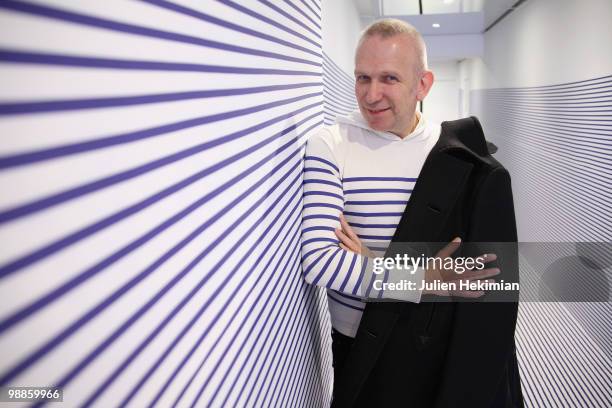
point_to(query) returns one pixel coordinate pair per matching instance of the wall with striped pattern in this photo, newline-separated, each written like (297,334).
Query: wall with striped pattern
(555,140)
(549,110)
(150,171)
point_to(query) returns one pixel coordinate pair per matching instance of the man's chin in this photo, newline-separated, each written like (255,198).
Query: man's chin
(376,125)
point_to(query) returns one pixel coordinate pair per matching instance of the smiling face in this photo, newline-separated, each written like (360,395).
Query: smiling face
(388,83)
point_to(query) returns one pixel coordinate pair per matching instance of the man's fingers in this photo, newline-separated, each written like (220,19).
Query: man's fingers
(346,240)
(347,229)
(488,257)
(471,275)
(481,274)
(450,248)
(472,294)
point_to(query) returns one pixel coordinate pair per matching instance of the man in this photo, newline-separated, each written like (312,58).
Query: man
(386,174)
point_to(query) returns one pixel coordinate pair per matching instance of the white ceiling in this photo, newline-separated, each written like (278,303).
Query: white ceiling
(372,9)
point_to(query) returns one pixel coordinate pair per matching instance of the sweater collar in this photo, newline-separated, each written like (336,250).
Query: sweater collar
(357,120)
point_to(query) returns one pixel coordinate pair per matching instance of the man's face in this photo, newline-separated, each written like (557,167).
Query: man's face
(386,85)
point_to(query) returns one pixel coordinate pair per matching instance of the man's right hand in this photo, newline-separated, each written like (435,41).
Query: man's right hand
(442,275)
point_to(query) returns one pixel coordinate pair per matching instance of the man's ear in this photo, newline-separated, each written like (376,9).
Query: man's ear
(427,80)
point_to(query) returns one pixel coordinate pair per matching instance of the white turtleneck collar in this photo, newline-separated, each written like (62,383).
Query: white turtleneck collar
(356,119)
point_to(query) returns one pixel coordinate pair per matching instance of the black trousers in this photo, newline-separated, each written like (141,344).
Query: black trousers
(341,345)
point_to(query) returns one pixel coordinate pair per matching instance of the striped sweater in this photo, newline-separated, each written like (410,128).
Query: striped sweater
(369,176)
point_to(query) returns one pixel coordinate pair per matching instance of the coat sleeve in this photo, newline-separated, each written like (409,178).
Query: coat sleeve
(482,339)
(324,263)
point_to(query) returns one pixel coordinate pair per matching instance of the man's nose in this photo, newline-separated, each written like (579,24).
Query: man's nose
(374,93)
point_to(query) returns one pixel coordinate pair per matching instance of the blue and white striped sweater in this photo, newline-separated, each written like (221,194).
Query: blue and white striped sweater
(368,176)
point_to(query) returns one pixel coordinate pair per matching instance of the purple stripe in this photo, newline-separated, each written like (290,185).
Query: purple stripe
(332,67)
(306,271)
(337,77)
(337,81)
(297,371)
(339,85)
(309,7)
(319,228)
(186,386)
(382,202)
(81,147)
(323,193)
(82,190)
(559,85)
(297,340)
(286,310)
(380,214)
(75,282)
(229,299)
(290,17)
(307,254)
(310,241)
(364,264)
(349,272)
(290,361)
(338,94)
(7,55)
(309,298)
(376,237)
(306,16)
(377,190)
(214,20)
(405,179)
(324,205)
(289,325)
(332,102)
(338,267)
(98,351)
(336,105)
(316,170)
(324,269)
(32,358)
(336,112)
(326,182)
(270,21)
(318,216)
(97,103)
(330,164)
(311,354)
(116,26)
(354,224)
(345,304)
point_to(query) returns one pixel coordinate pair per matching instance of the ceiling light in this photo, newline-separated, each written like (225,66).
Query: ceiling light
(448,1)
(435,25)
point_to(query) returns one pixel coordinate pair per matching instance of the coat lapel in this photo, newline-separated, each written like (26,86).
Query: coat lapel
(439,186)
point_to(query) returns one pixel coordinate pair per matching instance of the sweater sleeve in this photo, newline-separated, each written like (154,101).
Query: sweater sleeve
(324,263)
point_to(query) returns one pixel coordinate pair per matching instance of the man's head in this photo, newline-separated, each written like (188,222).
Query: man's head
(391,75)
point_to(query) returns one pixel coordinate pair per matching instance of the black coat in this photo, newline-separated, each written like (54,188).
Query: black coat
(449,354)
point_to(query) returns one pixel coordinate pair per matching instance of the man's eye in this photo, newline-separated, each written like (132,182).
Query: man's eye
(362,78)
(390,78)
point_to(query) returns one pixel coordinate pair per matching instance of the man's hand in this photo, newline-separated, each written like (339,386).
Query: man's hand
(436,275)
(349,241)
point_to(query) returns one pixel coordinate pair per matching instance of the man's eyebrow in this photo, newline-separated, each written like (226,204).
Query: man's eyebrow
(390,73)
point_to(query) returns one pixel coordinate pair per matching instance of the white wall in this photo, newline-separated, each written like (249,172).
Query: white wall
(442,103)
(546,42)
(341,30)
(541,91)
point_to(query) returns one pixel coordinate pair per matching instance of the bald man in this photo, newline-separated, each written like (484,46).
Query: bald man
(387,174)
